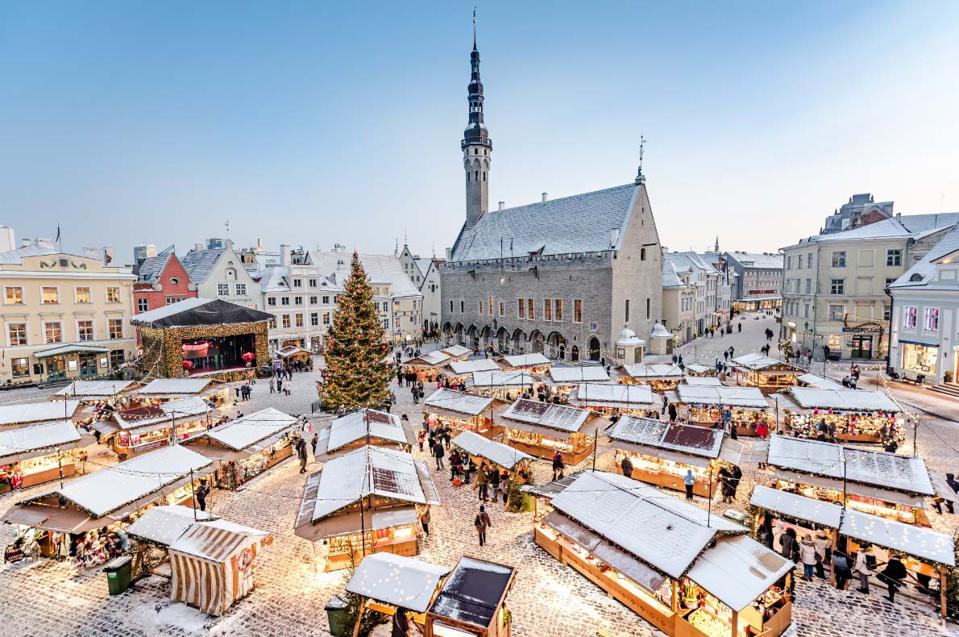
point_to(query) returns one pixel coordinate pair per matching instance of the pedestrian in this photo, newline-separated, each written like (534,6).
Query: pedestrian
(807,553)
(301,452)
(482,522)
(420,438)
(893,575)
(862,568)
(279,385)
(822,553)
(627,467)
(558,465)
(438,453)
(739,327)
(236,391)
(787,543)
(689,481)
(672,412)
(482,483)
(272,385)
(201,494)
(416,394)
(725,484)
(316,444)
(665,404)
(493,476)
(401,623)
(425,520)
(726,355)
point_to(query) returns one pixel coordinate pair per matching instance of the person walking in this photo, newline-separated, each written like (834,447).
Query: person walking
(482,523)
(787,543)
(823,547)
(672,412)
(438,453)
(558,465)
(425,520)
(201,494)
(421,438)
(272,385)
(862,568)
(315,444)
(401,623)
(627,466)
(301,452)
(689,481)
(482,483)
(840,565)
(893,575)
(807,554)
(492,476)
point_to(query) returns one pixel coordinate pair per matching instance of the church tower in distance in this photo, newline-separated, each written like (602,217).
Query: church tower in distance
(476,145)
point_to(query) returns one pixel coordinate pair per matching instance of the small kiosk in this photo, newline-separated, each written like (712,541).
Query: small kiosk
(532,363)
(817,382)
(855,415)
(562,381)
(457,352)
(39,453)
(427,367)
(482,449)
(662,452)
(504,385)
(365,502)
(462,371)
(875,482)
(97,392)
(472,602)
(700,370)
(661,376)
(542,429)
(685,572)
(246,447)
(364,427)
(295,356)
(162,390)
(460,411)
(768,374)
(24,415)
(704,404)
(610,400)
(141,429)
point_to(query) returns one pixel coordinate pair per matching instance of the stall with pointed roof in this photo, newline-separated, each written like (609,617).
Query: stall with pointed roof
(503,384)
(704,404)
(137,430)
(462,371)
(660,376)
(364,427)
(611,400)
(849,415)
(429,366)
(472,602)
(564,380)
(768,374)
(541,429)
(534,363)
(460,412)
(39,453)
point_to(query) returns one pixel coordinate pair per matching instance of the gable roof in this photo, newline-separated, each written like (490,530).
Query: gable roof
(589,222)
(925,270)
(756,260)
(200,263)
(151,267)
(380,268)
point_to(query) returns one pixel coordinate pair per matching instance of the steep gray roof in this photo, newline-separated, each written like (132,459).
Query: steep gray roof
(380,268)
(151,267)
(670,278)
(200,263)
(590,222)
(931,221)
(924,272)
(757,260)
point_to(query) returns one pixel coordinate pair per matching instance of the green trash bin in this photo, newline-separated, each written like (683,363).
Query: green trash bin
(338,614)
(119,573)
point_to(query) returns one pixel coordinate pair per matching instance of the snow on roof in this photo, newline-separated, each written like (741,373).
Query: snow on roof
(653,370)
(472,592)
(458,401)
(476,365)
(842,399)
(147,416)
(215,542)
(171,309)
(95,388)
(355,426)
(384,269)
(37,437)
(699,368)
(434,358)
(104,491)
(561,417)
(757,260)
(812,380)
(151,267)
(167,386)
(917,541)
(885,229)
(250,429)
(619,395)
(657,528)
(749,397)
(369,470)
(876,468)
(526,360)
(405,582)
(923,273)
(501,378)
(496,452)
(37,412)
(164,524)
(697,441)
(456,351)
(578,374)
(737,570)
(703,381)
(756,361)
(797,506)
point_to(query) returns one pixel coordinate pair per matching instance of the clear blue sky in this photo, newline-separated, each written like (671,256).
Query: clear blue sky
(315,123)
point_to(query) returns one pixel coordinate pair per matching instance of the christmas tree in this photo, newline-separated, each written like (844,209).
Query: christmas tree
(357,374)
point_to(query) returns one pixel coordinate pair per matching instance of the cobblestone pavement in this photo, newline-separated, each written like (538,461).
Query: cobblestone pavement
(49,598)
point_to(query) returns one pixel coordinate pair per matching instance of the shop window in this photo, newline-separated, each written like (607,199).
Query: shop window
(837,286)
(50,295)
(19,367)
(919,358)
(17,333)
(115,328)
(839,259)
(930,319)
(117,357)
(893,258)
(52,332)
(909,314)
(82,295)
(837,312)
(13,296)
(85,330)
(113,294)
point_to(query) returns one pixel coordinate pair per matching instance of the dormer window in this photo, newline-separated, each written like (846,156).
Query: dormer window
(915,278)
(174,280)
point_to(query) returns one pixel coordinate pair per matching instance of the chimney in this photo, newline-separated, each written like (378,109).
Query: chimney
(449,253)
(284,254)
(898,216)
(545,196)
(501,204)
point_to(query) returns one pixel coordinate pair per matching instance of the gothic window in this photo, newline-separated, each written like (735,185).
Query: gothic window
(484,175)
(467,175)
(476,175)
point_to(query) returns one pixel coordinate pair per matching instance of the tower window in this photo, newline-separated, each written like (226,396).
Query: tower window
(475,151)
(467,175)
(476,175)
(484,175)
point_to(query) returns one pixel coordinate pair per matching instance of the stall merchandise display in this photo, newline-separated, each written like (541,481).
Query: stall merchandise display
(344,550)
(853,427)
(745,420)
(873,506)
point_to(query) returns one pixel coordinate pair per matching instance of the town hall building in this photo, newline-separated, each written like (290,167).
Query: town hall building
(568,277)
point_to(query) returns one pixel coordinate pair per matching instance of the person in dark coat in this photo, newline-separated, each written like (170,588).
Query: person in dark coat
(672,412)
(438,453)
(627,467)
(558,465)
(401,624)
(482,523)
(301,452)
(201,494)
(893,575)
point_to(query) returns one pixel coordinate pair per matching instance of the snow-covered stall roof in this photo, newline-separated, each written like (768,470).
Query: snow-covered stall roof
(758,362)
(175,386)
(699,368)
(251,429)
(746,397)
(435,358)
(917,541)
(737,570)
(526,360)
(355,426)
(37,412)
(818,382)
(579,374)
(688,439)
(551,415)
(875,468)
(502,378)
(614,395)
(796,506)
(703,381)
(405,582)
(473,591)
(458,401)
(164,524)
(653,370)
(456,351)
(17,444)
(213,541)
(496,452)
(95,388)
(842,399)
(476,365)
(157,415)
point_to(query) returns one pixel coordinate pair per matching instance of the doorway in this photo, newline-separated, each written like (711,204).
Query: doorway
(861,346)
(594,349)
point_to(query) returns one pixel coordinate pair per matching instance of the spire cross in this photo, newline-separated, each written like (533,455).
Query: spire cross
(642,148)
(474,28)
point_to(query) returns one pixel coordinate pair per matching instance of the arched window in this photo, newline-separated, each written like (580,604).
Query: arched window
(467,175)
(642,254)
(484,175)
(915,278)
(476,151)
(476,175)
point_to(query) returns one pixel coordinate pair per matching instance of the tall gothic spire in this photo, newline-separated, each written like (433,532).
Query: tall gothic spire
(475,132)
(476,144)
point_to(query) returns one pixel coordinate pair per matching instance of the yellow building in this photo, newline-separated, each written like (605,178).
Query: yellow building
(63,315)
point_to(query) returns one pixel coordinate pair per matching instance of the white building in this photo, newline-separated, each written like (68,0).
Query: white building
(425,275)
(696,269)
(218,272)
(758,281)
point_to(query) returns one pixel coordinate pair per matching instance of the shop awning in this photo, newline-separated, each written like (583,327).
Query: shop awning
(853,488)
(70,348)
(346,523)
(458,402)
(738,570)
(405,582)
(924,544)
(37,440)
(797,506)
(54,519)
(665,454)
(496,452)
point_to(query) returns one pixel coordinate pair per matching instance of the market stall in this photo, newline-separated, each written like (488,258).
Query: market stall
(684,571)
(849,415)
(163,390)
(661,453)
(532,363)
(246,447)
(457,352)
(879,483)
(293,356)
(364,427)
(147,427)
(97,392)
(817,382)
(704,404)
(472,602)
(482,450)
(702,381)
(661,376)
(365,502)
(16,416)
(85,518)
(768,374)
(562,381)
(427,367)
(460,411)
(610,400)
(700,370)
(504,385)
(542,429)
(462,371)
(39,453)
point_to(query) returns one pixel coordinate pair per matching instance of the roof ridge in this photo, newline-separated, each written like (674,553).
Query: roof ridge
(561,199)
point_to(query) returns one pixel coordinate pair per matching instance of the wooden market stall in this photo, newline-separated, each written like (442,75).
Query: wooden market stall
(542,429)
(460,411)
(684,571)
(662,452)
(26,414)
(427,367)
(661,376)
(700,370)
(472,602)
(482,450)
(704,404)
(768,374)
(82,517)
(875,482)
(562,381)
(246,447)
(365,502)
(462,371)
(364,427)
(294,355)
(92,392)
(702,381)
(147,427)
(40,453)
(532,363)
(163,390)
(390,583)
(850,415)
(457,352)
(818,382)
(611,400)
(504,385)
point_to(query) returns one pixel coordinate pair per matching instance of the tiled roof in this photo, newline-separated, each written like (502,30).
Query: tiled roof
(590,222)
(200,263)
(151,267)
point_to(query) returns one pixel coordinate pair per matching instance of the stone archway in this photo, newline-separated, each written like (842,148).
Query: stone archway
(502,340)
(519,341)
(458,334)
(574,353)
(537,342)
(472,337)
(486,336)
(556,345)
(594,349)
